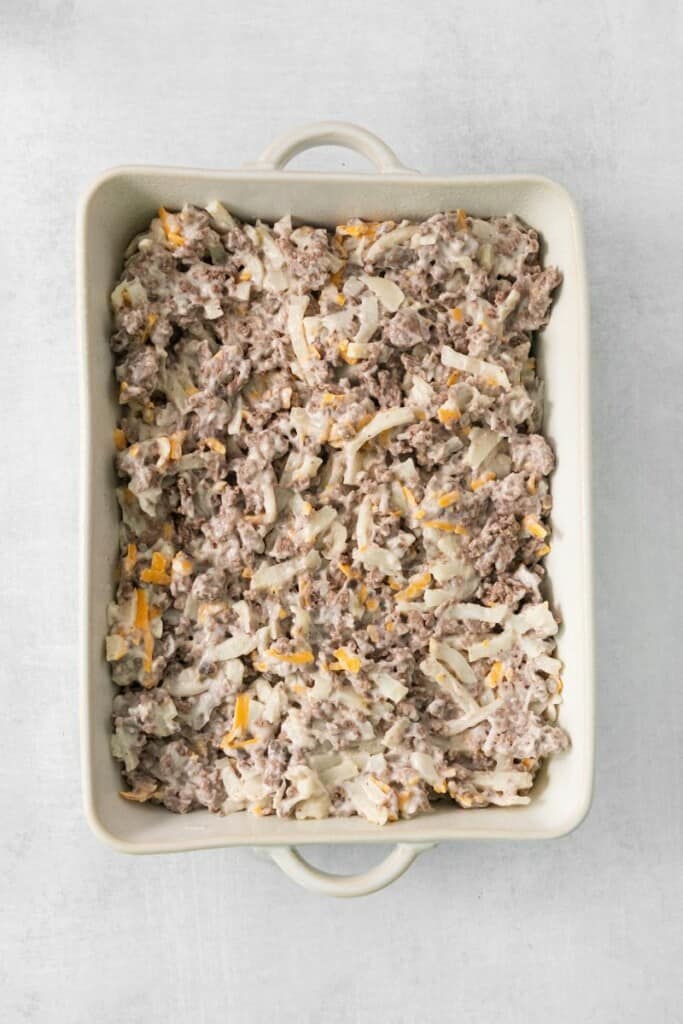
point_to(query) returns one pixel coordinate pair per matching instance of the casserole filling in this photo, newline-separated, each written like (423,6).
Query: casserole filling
(334,514)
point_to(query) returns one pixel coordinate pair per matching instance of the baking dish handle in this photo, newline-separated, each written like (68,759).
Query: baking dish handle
(329,133)
(377,877)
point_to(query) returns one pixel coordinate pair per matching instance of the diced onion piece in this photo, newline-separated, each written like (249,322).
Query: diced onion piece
(364,804)
(388,293)
(297,334)
(456,662)
(389,686)
(450,684)
(364,526)
(482,443)
(234,647)
(459,725)
(481,613)
(368,316)
(492,646)
(476,367)
(398,416)
(279,573)
(536,617)
(424,765)
(318,522)
(116,647)
(375,557)
(444,571)
(553,666)
(220,215)
(391,238)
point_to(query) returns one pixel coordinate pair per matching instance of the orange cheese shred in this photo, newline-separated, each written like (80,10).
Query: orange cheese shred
(533,527)
(447,416)
(149,651)
(345,662)
(484,479)
(156,573)
(141,620)
(295,658)
(173,236)
(441,524)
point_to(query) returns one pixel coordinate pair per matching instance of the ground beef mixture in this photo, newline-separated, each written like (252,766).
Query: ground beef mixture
(334,513)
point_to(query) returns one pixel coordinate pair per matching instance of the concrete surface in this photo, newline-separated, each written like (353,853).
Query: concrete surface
(583,929)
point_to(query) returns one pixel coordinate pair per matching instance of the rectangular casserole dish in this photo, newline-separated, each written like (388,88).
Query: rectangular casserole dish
(120,203)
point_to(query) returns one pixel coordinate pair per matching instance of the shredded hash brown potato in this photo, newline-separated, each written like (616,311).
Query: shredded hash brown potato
(334,510)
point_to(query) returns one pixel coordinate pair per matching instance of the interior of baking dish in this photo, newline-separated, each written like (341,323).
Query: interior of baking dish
(121,203)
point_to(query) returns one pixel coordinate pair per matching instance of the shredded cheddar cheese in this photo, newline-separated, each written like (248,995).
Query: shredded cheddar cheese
(151,320)
(215,445)
(415,587)
(130,559)
(495,675)
(176,442)
(533,527)
(345,568)
(448,499)
(173,236)
(485,478)
(368,229)
(296,658)
(410,497)
(328,398)
(343,349)
(141,620)
(240,720)
(441,524)
(156,573)
(345,662)
(404,798)
(447,416)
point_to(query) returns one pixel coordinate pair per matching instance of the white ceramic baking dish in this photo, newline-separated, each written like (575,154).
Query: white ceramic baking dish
(120,203)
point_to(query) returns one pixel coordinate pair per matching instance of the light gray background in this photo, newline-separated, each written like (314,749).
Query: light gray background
(581,929)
